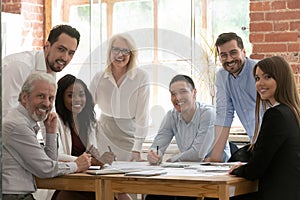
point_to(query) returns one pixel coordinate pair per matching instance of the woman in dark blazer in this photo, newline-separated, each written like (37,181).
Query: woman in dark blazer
(276,149)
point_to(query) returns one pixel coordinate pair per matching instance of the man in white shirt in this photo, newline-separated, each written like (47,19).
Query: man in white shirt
(23,157)
(57,53)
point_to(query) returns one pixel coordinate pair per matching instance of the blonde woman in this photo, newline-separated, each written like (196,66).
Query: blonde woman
(122,94)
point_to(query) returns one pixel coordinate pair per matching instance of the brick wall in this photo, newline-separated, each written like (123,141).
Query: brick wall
(32,12)
(275,30)
(11,6)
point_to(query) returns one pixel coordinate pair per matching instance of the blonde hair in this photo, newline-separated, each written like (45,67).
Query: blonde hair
(286,90)
(131,45)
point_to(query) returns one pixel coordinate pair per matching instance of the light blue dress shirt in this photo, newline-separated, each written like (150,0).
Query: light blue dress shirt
(236,94)
(194,139)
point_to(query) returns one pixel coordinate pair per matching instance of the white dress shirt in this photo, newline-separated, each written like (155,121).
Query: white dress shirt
(129,101)
(15,69)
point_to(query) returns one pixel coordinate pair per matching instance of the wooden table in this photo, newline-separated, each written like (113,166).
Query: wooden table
(178,184)
(75,182)
(220,186)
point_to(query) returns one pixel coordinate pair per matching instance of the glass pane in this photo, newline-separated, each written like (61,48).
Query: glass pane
(131,15)
(174,24)
(175,15)
(138,22)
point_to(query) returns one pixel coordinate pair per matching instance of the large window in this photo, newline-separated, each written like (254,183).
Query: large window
(173,36)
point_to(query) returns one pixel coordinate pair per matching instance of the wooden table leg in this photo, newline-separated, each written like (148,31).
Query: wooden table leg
(108,194)
(223,192)
(98,190)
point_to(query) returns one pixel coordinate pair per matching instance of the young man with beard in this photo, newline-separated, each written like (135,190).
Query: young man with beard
(23,157)
(235,91)
(58,51)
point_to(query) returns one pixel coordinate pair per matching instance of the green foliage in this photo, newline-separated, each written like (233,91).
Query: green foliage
(230,16)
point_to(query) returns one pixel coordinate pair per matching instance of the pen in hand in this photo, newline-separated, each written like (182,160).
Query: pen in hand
(111,151)
(157,152)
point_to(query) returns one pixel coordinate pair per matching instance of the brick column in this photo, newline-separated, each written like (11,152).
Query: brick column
(32,12)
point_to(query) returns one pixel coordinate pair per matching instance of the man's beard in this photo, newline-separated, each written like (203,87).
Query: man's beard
(35,117)
(39,118)
(238,64)
(51,65)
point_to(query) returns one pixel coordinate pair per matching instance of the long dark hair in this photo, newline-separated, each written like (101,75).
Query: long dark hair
(286,91)
(87,117)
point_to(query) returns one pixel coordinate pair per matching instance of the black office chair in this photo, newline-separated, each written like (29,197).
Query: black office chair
(243,154)
(233,148)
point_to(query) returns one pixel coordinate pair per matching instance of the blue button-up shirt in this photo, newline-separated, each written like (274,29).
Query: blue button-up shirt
(236,94)
(194,139)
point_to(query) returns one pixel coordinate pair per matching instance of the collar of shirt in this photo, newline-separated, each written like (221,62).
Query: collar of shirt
(130,74)
(245,69)
(271,106)
(36,128)
(194,118)
(40,61)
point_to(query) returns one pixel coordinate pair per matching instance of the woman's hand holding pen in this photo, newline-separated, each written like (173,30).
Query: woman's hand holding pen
(100,160)
(107,157)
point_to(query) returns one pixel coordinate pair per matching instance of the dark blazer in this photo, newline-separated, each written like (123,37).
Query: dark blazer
(276,156)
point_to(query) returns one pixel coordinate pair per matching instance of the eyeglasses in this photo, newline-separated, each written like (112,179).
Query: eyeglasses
(116,51)
(233,54)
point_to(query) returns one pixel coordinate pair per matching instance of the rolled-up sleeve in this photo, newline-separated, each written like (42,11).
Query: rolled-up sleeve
(224,105)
